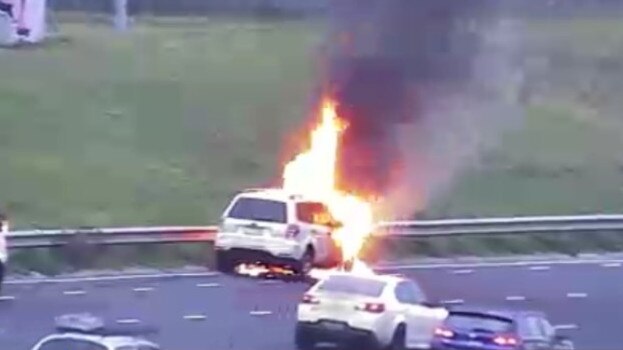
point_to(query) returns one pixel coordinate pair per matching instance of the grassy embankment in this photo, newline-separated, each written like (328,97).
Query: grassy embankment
(162,125)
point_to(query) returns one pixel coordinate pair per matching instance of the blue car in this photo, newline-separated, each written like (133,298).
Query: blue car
(476,328)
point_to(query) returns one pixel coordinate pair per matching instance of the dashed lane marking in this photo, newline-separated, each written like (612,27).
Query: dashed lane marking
(539,268)
(577,295)
(74,292)
(462,272)
(7,298)
(194,317)
(208,285)
(453,301)
(128,321)
(613,264)
(515,298)
(260,313)
(142,289)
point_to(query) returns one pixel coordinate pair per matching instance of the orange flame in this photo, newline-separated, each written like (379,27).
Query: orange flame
(313,172)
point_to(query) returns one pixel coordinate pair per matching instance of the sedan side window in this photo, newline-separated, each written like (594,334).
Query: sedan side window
(548,329)
(409,293)
(531,328)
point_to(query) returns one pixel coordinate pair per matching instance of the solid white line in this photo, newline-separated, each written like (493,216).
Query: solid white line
(110,278)
(143,289)
(194,317)
(577,295)
(515,298)
(453,301)
(7,298)
(208,285)
(74,292)
(495,264)
(128,321)
(566,326)
(616,264)
(462,272)
(539,268)
(260,313)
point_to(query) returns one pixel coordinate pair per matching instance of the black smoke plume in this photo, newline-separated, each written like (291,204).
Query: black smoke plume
(404,72)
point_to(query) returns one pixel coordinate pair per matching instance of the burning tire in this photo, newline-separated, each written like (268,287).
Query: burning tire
(225,262)
(305,265)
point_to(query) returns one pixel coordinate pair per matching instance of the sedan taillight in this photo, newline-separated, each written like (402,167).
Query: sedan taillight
(375,308)
(310,299)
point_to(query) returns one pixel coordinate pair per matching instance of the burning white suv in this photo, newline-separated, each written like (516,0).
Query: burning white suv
(276,228)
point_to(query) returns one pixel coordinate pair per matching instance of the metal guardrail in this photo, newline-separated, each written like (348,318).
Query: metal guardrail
(396,229)
(111,236)
(503,226)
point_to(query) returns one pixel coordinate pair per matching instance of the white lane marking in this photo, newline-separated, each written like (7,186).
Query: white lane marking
(74,292)
(566,326)
(260,313)
(577,295)
(453,301)
(142,289)
(539,268)
(495,264)
(615,264)
(120,277)
(128,321)
(462,272)
(7,298)
(269,282)
(515,298)
(194,317)
(208,285)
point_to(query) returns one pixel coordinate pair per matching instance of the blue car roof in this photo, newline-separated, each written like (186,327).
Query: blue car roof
(501,312)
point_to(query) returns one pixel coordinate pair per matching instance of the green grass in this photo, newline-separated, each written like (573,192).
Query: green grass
(162,125)
(157,127)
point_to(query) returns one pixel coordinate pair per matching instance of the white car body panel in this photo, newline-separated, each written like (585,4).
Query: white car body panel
(109,342)
(420,320)
(4,254)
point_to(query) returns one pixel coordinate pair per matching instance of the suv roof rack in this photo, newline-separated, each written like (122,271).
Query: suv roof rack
(86,323)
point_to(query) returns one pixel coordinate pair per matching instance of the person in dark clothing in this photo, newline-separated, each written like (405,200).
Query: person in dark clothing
(6,8)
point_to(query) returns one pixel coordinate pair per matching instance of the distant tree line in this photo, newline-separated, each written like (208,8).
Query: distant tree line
(539,8)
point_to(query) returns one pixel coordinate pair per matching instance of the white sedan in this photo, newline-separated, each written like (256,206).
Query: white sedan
(366,311)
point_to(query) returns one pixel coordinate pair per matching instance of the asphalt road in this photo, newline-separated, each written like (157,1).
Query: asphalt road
(220,312)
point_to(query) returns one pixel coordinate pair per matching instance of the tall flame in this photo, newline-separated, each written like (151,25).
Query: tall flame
(313,172)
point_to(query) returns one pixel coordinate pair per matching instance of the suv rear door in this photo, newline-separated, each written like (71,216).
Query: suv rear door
(257,217)
(315,220)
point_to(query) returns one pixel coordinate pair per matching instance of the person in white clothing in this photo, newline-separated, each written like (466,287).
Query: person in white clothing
(4,256)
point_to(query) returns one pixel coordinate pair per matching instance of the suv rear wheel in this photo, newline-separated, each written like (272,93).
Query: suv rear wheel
(399,338)
(306,263)
(224,262)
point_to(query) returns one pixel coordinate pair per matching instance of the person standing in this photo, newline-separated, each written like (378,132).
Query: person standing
(4,256)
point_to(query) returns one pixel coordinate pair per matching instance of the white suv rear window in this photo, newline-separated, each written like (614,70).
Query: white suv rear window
(352,285)
(257,209)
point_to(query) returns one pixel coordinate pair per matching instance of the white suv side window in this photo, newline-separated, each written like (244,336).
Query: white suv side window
(312,213)
(257,209)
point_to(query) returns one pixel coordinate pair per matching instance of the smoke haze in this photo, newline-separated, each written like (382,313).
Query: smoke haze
(425,86)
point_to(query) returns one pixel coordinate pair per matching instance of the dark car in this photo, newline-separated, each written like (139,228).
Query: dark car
(478,328)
